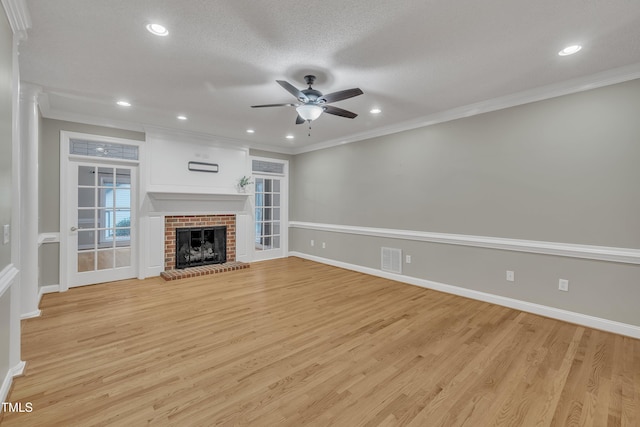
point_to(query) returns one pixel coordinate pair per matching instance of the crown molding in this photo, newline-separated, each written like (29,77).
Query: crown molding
(55,114)
(51,113)
(220,140)
(606,78)
(19,17)
(581,84)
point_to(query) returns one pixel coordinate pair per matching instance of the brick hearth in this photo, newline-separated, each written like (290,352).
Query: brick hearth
(184,221)
(203,270)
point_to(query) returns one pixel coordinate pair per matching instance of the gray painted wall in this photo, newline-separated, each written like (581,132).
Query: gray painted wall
(6,102)
(557,170)
(49,181)
(560,170)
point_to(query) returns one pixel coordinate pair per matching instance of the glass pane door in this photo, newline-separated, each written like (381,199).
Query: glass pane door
(268,205)
(103,218)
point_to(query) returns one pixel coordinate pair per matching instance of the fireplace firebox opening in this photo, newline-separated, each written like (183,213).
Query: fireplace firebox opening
(197,246)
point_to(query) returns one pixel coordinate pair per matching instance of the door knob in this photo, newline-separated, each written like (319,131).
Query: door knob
(74,228)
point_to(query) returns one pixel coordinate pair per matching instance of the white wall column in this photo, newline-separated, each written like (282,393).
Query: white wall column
(16,306)
(20,21)
(29,136)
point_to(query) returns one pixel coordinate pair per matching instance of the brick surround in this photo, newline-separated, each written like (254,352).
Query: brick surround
(184,221)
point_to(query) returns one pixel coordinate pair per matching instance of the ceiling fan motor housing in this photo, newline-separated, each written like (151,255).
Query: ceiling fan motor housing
(312,94)
(309,79)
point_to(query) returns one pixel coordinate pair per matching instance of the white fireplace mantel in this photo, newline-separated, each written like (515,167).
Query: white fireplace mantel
(169,187)
(197,195)
(158,205)
(196,202)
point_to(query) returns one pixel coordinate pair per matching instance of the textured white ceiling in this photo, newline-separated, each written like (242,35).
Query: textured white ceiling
(412,59)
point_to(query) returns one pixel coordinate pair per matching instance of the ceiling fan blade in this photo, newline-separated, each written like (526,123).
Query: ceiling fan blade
(330,109)
(340,95)
(273,105)
(293,90)
(299,120)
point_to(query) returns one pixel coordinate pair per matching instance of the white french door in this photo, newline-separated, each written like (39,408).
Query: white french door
(270,214)
(98,209)
(101,223)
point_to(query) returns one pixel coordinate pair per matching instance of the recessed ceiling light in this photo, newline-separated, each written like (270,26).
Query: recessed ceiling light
(251,131)
(570,50)
(181,117)
(123,103)
(375,111)
(157,30)
(289,136)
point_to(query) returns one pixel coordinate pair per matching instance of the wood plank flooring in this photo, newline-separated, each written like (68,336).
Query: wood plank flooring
(291,342)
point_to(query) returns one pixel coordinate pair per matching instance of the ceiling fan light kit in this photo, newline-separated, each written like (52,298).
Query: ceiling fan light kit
(309,112)
(313,103)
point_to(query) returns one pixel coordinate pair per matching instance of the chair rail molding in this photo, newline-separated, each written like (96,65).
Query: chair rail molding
(53,237)
(600,253)
(7,277)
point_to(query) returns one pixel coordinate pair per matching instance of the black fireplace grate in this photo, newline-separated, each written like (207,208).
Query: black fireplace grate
(200,246)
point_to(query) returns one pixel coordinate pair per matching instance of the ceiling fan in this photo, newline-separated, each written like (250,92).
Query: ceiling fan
(312,103)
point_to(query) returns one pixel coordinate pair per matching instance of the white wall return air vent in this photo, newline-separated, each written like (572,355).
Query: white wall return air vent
(391,260)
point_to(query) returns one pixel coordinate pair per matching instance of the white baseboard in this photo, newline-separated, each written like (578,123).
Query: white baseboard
(30,315)
(542,310)
(49,289)
(8,379)
(41,291)
(6,385)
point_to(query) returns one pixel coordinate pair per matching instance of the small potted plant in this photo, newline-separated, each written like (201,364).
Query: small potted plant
(243,183)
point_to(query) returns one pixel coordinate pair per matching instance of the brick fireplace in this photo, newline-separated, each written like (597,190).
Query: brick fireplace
(171,223)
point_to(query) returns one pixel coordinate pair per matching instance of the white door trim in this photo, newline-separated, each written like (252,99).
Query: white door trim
(284,206)
(65,159)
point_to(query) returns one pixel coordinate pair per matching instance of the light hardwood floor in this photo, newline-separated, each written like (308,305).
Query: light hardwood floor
(292,342)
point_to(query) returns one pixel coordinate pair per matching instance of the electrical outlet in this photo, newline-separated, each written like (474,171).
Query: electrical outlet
(313,243)
(511,277)
(407,259)
(6,231)
(563,285)
(324,245)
